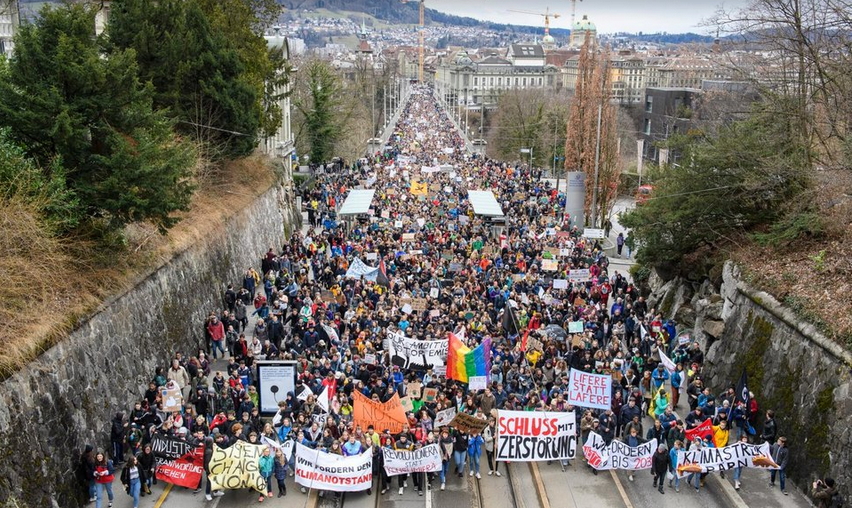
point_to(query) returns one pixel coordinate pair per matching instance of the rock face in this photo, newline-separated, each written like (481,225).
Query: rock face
(791,367)
(67,397)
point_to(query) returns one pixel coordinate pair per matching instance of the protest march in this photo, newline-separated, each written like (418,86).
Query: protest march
(407,338)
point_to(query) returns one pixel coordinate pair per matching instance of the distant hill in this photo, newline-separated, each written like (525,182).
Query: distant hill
(394,11)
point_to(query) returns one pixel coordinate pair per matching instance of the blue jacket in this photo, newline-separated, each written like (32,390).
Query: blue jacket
(474,445)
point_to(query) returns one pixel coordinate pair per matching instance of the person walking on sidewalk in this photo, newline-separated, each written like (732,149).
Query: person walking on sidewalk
(619,243)
(660,466)
(633,440)
(781,456)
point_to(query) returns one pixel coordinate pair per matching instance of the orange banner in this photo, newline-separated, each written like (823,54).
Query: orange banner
(389,415)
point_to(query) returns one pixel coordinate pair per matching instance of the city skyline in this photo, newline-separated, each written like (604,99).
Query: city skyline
(609,16)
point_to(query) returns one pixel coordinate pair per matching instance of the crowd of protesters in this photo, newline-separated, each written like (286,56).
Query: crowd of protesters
(493,279)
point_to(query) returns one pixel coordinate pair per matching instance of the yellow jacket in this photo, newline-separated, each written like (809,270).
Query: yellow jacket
(720,436)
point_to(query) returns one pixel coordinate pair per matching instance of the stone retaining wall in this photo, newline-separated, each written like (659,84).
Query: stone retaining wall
(67,397)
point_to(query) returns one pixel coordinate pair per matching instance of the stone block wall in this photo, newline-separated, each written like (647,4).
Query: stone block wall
(66,398)
(792,368)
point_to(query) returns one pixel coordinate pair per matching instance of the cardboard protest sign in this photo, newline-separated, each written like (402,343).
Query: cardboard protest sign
(467,424)
(237,467)
(419,304)
(414,390)
(407,405)
(424,460)
(177,461)
(408,237)
(171,396)
(590,390)
(388,415)
(531,436)
(617,455)
(444,418)
(430,394)
(415,354)
(709,460)
(549,265)
(316,469)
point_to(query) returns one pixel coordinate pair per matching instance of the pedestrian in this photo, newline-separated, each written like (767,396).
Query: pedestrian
(474,452)
(619,243)
(117,436)
(673,473)
(633,440)
(660,462)
(266,464)
(147,461)
(132,477)
(694,477)
(770,429)
(447,444)
(104,475)
(825,493)
(280,472)
(781,456)
(489,439)
(738,471)
(87,466)
(460,442)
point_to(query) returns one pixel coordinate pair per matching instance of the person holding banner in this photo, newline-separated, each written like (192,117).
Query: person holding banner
(266,463)
(660,462)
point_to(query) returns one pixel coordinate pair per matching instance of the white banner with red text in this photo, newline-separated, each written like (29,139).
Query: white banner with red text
(524,436)
(617,454)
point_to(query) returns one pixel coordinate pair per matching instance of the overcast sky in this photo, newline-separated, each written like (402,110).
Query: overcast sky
(673,16)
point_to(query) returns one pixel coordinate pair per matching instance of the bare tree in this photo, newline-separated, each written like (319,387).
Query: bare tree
(800,54)
(591,136)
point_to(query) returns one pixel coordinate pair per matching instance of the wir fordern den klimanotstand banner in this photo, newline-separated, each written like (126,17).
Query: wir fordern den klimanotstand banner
(524,437)
(328,471)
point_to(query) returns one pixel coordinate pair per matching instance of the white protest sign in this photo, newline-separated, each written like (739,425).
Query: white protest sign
(424,460)
(328,471)
(593,233)
(443,418)
(477,382)
(709,460)
(617,455)
(579,275)
(590,390)
(530,436)
(560,283)
(415,354)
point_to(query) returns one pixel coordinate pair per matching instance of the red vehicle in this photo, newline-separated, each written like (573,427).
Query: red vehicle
(643,193)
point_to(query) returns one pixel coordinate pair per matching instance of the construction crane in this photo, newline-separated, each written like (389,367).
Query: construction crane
(421,35)
(547,15)
(574,12)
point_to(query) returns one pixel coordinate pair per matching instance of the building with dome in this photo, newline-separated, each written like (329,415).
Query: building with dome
(582,29)
(477,78)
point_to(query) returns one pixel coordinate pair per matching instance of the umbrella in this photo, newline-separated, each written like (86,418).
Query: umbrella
(556,332)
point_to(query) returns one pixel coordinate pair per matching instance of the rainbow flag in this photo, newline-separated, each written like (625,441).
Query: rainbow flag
(464,363)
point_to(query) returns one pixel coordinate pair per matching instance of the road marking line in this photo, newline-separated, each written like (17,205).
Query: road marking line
(621,490)
(163,496)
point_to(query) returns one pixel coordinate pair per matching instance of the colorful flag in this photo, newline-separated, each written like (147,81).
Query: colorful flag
(706,428)
(464,363)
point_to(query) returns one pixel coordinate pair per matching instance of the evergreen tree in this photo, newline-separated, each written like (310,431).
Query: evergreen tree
(198,73)
(64,99)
